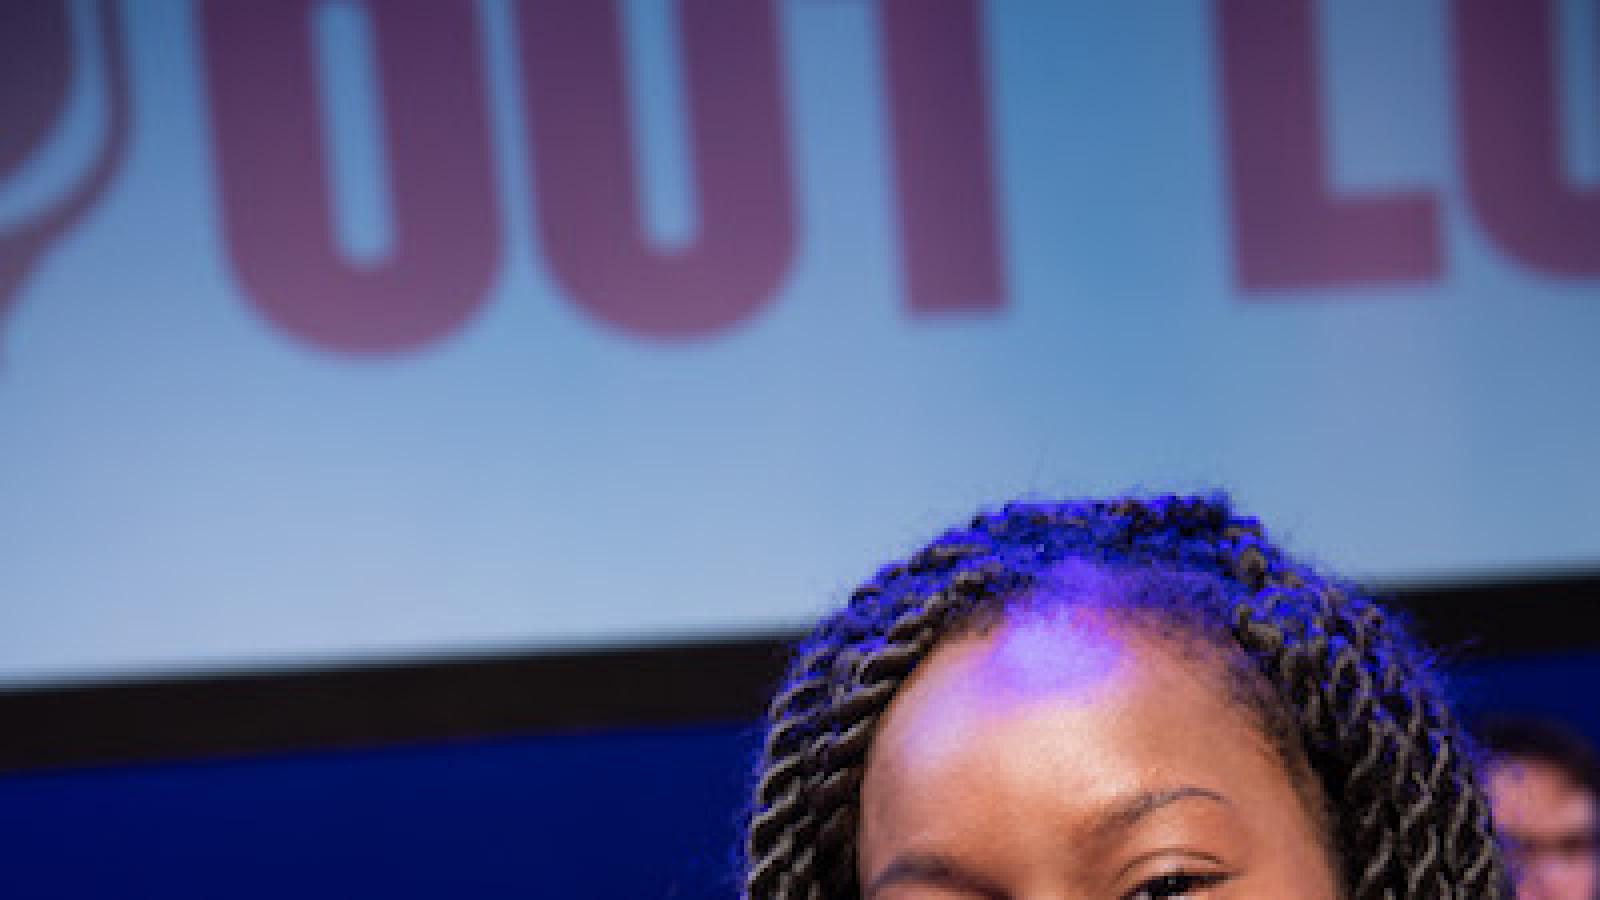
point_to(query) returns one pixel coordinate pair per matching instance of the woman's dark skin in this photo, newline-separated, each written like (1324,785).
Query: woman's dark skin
(1066,754)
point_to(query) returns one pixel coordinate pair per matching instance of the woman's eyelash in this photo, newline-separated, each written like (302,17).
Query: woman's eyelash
(1175,885)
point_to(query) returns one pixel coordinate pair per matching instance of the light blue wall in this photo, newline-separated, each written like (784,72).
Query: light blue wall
(191,487)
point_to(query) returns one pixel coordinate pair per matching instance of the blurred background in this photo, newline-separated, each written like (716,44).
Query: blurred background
(423,423)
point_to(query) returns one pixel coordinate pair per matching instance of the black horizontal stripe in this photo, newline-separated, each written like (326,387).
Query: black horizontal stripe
(364,706)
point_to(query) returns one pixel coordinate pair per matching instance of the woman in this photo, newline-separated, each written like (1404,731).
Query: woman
(1130,699)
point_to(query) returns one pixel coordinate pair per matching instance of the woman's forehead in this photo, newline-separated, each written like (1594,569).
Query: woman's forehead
(1052,718)
(1076,670)
(1066,650)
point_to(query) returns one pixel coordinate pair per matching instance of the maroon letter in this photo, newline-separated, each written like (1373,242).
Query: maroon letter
(940,115)
(1288,231)
(588,202)
(275,199)
(36,64)
(1512,138)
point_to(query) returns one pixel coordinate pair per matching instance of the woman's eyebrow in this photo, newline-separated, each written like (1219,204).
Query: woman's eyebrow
(941,871)
(932,869)
(1126,813)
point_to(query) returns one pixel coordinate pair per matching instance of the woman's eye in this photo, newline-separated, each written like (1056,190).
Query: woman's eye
(1175,886)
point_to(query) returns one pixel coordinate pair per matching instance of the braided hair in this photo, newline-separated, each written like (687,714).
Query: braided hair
(1343,689)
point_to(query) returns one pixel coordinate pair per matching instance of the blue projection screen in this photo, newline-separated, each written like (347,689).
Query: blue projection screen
(336,331)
